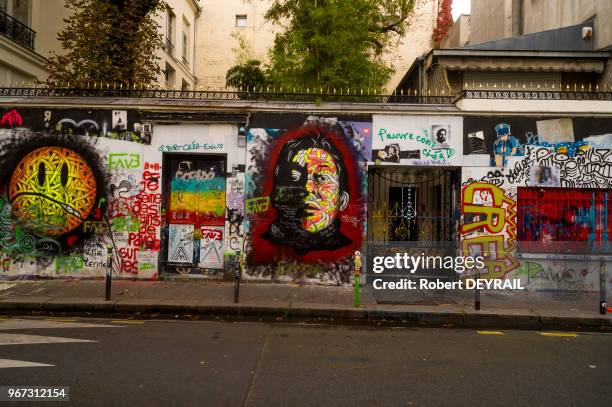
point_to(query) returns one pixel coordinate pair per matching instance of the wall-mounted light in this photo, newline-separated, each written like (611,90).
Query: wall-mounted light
(241,136)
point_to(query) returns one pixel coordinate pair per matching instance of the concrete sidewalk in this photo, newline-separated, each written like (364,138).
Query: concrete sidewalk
(293,302)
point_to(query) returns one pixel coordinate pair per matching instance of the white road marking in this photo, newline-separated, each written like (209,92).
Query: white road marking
(6,286)
(47,323)
(7,363)
(37,290)
(7,324)
(18,339)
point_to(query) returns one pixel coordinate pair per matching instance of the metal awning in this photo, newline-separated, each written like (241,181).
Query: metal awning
(514,64)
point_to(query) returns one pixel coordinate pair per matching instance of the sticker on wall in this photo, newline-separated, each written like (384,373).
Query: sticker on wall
(180,243)
(440,136)
(119,122)
(545,176)
(476,142)
(211,247)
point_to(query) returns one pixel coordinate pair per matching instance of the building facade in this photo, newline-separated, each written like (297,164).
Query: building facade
(29,29)
(496,19)
(201,40)
(499,47)
(224,24)
(178,28)
(28,36)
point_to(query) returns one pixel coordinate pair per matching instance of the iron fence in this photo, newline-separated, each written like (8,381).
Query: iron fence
(220,95)
(295,95)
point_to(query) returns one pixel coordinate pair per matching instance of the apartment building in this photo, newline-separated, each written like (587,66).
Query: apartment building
(178,26)
(497,19)
(200,39)
(28,35)
(222,22)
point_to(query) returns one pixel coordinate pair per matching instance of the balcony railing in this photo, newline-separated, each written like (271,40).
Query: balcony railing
(16,31)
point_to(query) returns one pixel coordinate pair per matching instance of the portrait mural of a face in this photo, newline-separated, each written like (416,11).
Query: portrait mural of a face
(440,136)
(309,193)
(315,189)
(319,170)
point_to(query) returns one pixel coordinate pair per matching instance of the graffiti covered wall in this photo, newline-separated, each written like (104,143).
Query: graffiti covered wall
(73,181)
(305,206)
(173,198)
(547,191)
(417,140)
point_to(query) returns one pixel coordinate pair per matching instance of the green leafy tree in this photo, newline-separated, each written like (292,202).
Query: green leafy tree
(248,75)
(109,41)
(335,43)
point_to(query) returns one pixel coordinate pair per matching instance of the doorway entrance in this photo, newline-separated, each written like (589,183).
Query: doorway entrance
(412,210)
(194,202)
(413,204)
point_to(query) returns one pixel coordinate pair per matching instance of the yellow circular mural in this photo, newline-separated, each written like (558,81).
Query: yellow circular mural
(52,191)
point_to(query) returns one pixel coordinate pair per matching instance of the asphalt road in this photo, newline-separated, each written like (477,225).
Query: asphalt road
(183,363)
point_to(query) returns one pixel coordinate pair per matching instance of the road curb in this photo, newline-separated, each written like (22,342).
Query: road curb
(333,313)
(572,322)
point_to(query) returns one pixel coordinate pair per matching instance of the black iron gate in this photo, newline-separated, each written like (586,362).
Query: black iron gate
(413,204)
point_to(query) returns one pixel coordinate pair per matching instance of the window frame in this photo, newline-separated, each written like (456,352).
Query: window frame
(239,18)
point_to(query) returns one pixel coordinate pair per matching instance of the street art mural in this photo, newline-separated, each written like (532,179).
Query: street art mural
(74,181)
(305,185)
(54,187)
(564,220)
(71,182)
(504,137)
(197,191)
(489,228)
(124,125)
(50,189)
(417,140)
(59,184)
(135,218)
(546,195)
(176,197)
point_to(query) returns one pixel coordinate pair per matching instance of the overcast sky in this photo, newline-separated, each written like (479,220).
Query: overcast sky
(460,7)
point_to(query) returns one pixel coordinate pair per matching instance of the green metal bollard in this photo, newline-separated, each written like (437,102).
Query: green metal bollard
(356,277)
